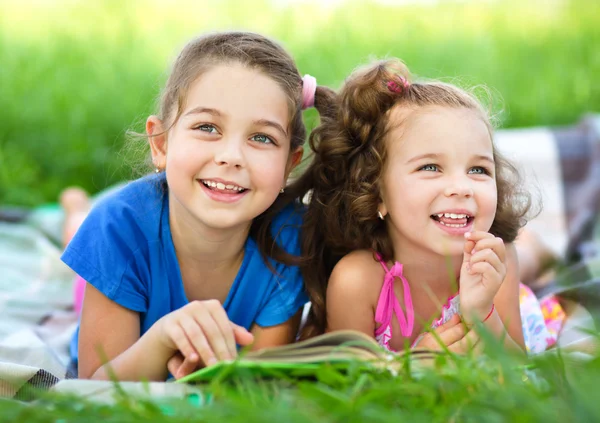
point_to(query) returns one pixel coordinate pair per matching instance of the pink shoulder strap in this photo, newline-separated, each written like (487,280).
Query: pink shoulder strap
(388,303)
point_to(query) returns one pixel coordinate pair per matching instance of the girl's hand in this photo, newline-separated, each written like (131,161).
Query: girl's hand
(174,364)
(202,333)
(454,335)
(471,342)
(481,274)
(445,335)
(179,366)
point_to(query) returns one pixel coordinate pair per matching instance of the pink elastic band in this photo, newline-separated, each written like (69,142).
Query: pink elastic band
(397,87)
(309,87)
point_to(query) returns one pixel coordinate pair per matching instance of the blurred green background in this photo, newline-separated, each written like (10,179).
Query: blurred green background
(76,75)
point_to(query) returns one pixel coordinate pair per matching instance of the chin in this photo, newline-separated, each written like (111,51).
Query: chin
(220,222)
(451,249)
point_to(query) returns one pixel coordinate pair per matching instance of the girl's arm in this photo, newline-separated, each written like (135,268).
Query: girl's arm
(350,297)
(489,278)
(272,336)
(507,316)
(201,330)
(111,332)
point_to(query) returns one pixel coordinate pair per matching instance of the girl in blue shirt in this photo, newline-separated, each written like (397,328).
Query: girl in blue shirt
(184,265)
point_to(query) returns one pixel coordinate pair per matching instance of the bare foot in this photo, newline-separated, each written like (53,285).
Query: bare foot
(76,204)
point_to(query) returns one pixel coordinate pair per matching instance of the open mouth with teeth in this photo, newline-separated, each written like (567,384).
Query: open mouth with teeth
(221,187)
(453,220)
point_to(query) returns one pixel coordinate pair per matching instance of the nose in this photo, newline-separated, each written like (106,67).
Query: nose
(229,152)
(460,186)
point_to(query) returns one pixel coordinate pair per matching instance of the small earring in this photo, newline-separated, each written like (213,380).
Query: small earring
(379,215)
(156,170)
(281,191)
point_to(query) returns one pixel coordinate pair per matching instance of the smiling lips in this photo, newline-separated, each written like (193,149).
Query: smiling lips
(224,187)
(223,191)
(454,223)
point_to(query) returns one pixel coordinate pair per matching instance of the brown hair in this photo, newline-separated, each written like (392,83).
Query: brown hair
(349,158)
(258,53)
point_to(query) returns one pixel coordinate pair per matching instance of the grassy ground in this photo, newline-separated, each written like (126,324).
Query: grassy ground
(76,75)
(469,390)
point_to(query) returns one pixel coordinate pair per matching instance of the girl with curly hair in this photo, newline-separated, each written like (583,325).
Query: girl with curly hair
(409,203)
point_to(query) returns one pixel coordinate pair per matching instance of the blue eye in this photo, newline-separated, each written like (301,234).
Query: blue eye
(263,139)
(207,128)
(479,170)
(429,168)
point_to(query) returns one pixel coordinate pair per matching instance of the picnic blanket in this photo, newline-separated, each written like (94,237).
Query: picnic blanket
(37,320)
(563,166)
(36,293)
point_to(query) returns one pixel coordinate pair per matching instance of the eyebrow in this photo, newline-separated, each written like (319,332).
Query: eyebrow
(266,122)
(200,109)
(423,156)
(215,112)
(437,156)
(485,158)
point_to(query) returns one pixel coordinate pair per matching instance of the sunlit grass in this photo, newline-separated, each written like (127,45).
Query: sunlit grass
(75,75)
(497,389)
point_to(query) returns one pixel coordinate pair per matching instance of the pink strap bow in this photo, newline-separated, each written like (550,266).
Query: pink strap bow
(388,304)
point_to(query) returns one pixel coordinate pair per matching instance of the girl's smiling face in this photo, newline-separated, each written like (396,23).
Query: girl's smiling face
(439,180)
(228,155)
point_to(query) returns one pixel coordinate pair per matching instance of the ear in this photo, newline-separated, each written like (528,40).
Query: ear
(157,138)
(294,160)
(382,209)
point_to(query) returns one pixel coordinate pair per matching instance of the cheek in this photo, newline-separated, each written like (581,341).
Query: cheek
(491,200)
(184,155)
(268,170)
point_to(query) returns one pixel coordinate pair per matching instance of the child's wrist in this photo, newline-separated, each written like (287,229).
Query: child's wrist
(477,315)
(490,313)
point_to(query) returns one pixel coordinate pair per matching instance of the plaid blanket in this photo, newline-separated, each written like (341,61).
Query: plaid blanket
(35,307)
(37,318)
(563,165)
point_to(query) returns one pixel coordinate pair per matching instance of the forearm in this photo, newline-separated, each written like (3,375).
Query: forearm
(146,359)
(496,327)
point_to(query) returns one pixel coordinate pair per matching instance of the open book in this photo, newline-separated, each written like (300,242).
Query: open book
(341,349)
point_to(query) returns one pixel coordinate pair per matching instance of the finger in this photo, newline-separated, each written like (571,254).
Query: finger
(241,334)
(211,331)
(179,337)
(428,341)
(443,337)
(465,344)
(467,249)
(495,244)
(186,367)
(174,363)
(488,256)
(453,335)
(453,321)
(224,324)
(477,236)
(488,272)
(195,331)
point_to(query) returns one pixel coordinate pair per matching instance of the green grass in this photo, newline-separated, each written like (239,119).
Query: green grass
(74,76)
(470,390)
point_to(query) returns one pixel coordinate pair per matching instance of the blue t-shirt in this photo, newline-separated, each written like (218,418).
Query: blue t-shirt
(124,249)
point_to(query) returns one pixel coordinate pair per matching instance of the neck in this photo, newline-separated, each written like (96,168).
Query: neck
(202,247)
(425,268)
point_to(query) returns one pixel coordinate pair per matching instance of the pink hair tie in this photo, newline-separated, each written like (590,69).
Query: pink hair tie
(398,84)
(309,87)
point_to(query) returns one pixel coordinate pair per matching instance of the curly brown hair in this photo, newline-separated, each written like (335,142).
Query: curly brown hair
(349,156)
